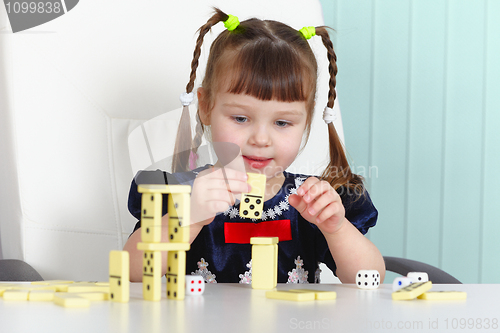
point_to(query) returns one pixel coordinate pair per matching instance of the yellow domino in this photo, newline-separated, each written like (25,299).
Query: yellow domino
(95,296)
(41,295)
(319,294)
(264,266)
(151,214)
(70,300)
(164,247)
(156,188)
(252,203)
(412,291)
(179,218)
(179,204)
(52,282)
(176,275)
(35,287)
(60,287)
(151,275)
(443,295)
(102,283)
(177,233)
(16,295)
(264,240)
(119,276)
(4,287)
(87,287)
(291,295)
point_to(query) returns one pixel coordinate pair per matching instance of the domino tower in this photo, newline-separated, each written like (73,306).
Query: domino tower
(178,231)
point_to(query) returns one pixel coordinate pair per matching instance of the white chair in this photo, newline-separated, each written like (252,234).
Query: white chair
(74,93)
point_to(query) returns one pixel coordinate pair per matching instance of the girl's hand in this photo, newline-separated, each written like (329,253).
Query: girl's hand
(319,204)
(214,191)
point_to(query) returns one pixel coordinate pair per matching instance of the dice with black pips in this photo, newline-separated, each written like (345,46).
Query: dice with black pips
(368,279)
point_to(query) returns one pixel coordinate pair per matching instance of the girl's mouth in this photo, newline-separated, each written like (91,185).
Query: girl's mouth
(257,162)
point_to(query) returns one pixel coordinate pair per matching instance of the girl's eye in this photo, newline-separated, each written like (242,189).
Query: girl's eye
(282,123)
(240,119)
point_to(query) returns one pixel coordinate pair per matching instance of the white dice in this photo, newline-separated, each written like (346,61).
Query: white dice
(368,279)
(418,276)
(401,282)
(195,285)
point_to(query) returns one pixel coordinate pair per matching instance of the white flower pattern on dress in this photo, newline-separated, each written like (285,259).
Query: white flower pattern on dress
(233,212)
(270,213)
(247,277)
(202,270)
(298,274)
(284,205)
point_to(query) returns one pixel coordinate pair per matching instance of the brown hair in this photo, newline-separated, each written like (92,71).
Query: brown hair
(267,60)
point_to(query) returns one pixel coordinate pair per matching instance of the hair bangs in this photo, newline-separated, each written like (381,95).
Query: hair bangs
(271,71)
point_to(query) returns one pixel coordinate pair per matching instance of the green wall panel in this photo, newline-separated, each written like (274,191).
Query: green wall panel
(426,115)
(462,150)
(490,228)
(419,90)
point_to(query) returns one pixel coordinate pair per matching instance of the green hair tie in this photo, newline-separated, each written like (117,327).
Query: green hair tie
(231,23)
(308,32)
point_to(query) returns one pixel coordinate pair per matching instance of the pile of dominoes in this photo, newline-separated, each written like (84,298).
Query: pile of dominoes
(152,245)
(417,285)
(64,293)
(412,286)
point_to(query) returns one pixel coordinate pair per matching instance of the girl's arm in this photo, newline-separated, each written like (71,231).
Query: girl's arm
(352,251)
(321,205)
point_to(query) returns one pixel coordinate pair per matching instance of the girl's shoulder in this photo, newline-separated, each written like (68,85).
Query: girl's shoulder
(293,180)
(162,177)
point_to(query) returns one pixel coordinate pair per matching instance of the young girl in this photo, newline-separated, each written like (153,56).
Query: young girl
(258,93)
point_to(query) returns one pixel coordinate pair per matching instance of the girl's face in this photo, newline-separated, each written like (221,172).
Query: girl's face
(269,133)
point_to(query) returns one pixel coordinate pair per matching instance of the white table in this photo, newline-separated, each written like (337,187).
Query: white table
(239,308)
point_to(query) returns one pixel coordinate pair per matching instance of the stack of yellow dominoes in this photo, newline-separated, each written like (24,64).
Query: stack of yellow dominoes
(152,245)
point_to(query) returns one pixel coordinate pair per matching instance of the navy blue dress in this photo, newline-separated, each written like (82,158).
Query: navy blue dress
(219,254)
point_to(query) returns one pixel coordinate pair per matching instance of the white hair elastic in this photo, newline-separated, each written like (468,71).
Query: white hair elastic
(329,115)
(186,98)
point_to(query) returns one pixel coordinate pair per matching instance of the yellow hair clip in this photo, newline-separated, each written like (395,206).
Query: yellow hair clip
(231,23)
(308,32)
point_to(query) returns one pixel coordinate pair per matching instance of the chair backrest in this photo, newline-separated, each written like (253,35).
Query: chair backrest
(74,93)
(403,266)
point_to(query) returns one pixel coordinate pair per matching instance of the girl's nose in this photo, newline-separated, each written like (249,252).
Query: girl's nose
(260,137)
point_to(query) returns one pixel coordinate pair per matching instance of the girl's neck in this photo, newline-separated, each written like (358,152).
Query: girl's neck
(273,186)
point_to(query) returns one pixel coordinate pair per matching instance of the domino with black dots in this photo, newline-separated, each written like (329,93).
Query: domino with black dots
(252,203)
(151,275)
(176,275)
(119,272)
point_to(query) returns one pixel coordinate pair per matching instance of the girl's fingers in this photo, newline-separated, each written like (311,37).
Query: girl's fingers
(306,186)
(297,203)
(329,211)
(325,199)
(217,206)
(314,189)
(233,186)
(227,173)
(233,180)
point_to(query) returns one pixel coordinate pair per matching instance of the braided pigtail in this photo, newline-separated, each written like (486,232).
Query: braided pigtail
(185,148)
(338,172)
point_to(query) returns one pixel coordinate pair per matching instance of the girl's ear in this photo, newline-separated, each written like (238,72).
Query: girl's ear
(203,107)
